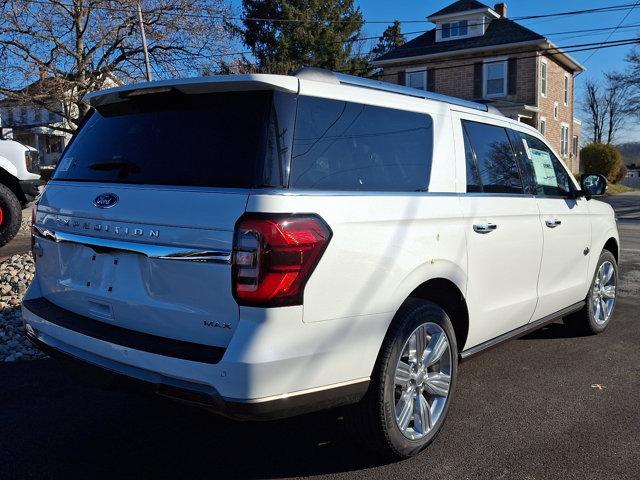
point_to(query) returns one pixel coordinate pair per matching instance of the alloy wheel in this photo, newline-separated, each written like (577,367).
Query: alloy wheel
(604,293)
(422,380)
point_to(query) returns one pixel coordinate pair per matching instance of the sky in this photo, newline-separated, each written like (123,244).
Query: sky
(603,61)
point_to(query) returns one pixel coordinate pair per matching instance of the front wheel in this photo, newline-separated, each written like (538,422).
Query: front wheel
(412,385)
(10,215)
(595,316)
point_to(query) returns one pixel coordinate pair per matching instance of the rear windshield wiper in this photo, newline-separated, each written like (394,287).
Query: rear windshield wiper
(124,167)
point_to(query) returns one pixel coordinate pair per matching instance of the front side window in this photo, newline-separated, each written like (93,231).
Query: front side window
(497,166)
(417,78)
(550,176)
(349,146)
(495,74)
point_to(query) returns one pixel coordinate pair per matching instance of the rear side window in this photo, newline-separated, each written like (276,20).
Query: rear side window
(497,166)
(348,146)
(211,140)
(473,177)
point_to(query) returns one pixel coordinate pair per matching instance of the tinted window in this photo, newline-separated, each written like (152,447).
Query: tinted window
(550,177)
(473,178)
(348,146)
(215,140)
(496,162)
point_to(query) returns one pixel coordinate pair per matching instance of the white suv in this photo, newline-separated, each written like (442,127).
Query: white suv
(270,245)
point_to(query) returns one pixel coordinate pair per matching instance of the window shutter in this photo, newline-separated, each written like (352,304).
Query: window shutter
(431,79)
(512,76)
(477,80)
(402,77)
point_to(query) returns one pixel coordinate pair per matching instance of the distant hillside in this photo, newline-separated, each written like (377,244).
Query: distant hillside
(631,153)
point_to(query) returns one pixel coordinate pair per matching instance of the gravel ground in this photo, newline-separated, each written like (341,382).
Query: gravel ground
(16,273)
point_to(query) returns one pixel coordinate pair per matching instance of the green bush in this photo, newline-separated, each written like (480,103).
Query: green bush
(605,160)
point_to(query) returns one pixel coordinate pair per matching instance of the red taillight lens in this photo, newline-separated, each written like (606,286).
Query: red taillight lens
(274,256)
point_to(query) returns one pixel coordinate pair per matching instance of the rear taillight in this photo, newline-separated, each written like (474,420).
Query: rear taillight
(274,256)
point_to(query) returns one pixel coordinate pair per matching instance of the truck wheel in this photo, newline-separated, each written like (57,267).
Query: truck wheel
(412,384)
(594,317)
(10,215)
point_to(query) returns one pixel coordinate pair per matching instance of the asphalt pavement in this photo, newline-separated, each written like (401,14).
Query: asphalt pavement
(549,405)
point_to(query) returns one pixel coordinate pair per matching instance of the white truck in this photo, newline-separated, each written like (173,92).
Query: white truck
(19,182)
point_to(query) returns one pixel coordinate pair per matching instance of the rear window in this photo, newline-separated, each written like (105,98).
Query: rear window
(348,146)
(212,140)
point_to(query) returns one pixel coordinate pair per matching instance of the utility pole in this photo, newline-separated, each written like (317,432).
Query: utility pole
(144,43)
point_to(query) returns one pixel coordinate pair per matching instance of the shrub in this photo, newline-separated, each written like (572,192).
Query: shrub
(603,159)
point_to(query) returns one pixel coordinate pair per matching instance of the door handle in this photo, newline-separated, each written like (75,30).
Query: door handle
(484,227)
(552,222)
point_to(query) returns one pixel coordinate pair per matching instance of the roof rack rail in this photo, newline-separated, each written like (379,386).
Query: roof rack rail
(323,75)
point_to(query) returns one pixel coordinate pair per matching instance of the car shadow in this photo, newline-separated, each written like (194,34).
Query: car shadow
(552,331)
(87,432)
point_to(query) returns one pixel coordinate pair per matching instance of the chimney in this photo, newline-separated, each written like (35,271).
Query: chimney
(501,9)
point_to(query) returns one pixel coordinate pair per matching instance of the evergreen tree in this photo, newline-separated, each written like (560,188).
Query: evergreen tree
(299,33)
(391,38)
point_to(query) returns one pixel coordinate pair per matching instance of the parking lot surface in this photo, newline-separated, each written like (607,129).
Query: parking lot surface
(549,405)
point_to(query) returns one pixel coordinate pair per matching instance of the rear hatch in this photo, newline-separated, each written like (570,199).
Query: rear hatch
(136,227)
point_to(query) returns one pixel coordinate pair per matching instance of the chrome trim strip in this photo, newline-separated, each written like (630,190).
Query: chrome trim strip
(163,252)
(307,391)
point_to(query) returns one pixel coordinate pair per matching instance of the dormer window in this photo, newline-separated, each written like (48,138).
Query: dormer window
(455,29)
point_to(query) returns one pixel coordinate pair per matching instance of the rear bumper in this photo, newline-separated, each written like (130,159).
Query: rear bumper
(116,373)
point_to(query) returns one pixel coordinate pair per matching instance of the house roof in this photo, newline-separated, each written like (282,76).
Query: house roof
(501,31)
(458,7)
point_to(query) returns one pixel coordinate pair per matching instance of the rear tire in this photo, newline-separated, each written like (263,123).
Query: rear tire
(10,215)
(595,316)
(409,395)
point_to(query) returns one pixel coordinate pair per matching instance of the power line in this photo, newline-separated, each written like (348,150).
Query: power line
(547,52)
(611,8)
(614,31)
(586,33)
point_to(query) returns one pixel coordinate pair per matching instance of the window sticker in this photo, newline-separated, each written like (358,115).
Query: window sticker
(543,168)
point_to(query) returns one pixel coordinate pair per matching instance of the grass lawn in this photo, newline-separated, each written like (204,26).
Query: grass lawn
(617,188)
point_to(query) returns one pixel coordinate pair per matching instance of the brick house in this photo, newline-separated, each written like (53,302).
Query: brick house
(476,52)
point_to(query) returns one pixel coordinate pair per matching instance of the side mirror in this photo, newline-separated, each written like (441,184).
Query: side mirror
(593,185)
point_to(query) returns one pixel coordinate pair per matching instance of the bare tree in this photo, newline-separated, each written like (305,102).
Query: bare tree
(616,104)
(595,108)
(606,107)
(631,79)
(63,49)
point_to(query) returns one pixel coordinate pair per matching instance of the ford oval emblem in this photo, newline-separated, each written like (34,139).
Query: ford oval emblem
(106,200)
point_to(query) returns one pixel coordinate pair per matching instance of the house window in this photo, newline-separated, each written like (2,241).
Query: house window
(564,139)
(417,78)
(566,89)
(495,75)
(543,126)
(555,110)
(455,29)
(543,78)
(575,146)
